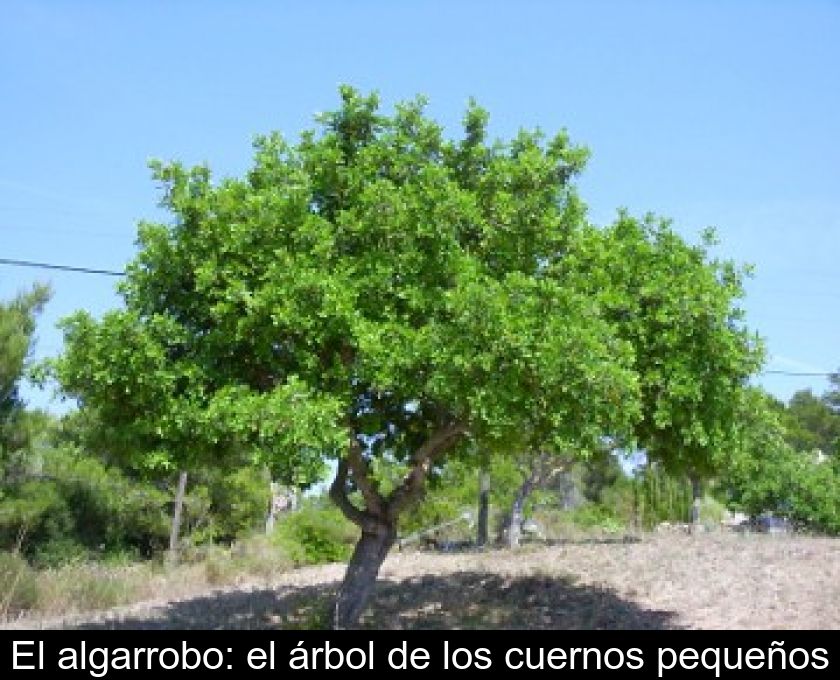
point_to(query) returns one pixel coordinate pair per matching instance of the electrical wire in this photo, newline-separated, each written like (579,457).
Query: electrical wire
(59,267)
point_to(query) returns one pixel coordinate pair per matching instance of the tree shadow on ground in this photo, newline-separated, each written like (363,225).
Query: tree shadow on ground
(463,600)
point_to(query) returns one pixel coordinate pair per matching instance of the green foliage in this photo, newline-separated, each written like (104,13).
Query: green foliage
(377,284)
(767,474)
(597,516)
(791,485)
(662,497)
(76,507)
(221,506)
(17,324)
(811,423)
(374,279)
(317,533)
(678,308)
(453,491)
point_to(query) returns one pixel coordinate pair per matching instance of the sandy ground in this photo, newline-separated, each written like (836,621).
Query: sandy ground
(715,580)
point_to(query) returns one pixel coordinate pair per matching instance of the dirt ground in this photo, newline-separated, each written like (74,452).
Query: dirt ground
(717,580)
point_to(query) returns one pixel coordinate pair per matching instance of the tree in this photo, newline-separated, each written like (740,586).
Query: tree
(766,474)
(375,294)
(17,326)
(811,423)
(678,308)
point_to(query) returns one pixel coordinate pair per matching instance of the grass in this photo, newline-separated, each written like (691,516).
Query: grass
(74,588)
(93,586)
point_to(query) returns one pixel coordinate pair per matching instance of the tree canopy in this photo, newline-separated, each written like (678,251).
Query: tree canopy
(17,326)
(382,296)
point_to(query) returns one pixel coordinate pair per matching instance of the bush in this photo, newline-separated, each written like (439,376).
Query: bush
(787,483)
(257,556)
(596,516)
(222,507)
(77,507)
(316,534)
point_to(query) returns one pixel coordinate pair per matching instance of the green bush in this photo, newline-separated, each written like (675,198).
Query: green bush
(712,511)
(661,497)
(77,507)
(788,483)
(596,516)
(315,534)
(223,506)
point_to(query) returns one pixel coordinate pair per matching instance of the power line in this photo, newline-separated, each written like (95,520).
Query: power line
(59,267)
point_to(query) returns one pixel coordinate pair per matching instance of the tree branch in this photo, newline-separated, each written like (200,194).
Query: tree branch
(338,494)
(361,476)
(421,463)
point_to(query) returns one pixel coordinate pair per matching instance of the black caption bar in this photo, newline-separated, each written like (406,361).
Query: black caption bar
(639,654)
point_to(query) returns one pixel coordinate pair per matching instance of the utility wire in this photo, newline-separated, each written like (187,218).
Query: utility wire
(59,267)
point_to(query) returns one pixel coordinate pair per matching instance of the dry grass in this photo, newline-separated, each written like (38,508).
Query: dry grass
(80,589)
(672,581)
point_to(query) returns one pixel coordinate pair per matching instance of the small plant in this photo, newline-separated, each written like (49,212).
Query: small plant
(315,535)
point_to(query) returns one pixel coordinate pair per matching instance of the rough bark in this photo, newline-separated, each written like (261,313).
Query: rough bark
(483,507)
(378,520)
(516,510)
(362,570)
(175,530)
(542,468)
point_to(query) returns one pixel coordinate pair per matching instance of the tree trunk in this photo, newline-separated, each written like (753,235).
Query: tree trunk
(483,506)
(538,474)
(515,528)
(518,507)
(176,517)
(360,577)
(378,521)
(696,495)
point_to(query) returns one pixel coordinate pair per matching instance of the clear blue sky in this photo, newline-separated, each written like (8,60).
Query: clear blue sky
(712,113)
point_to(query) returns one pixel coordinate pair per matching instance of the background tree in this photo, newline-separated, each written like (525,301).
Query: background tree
(766,474)
(17,326)
(678,308)
(385,297)
(811,423)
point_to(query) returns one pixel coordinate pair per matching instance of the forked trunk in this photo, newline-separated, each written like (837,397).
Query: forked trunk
(360,577)
(535,477)
(378,521)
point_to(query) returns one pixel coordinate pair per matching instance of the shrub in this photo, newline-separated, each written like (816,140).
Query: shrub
(788,483)
(78,507)
(257,556)
(223,506)
(316,534)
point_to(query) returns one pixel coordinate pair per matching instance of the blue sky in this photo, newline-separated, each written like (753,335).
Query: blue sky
(712,113)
